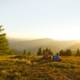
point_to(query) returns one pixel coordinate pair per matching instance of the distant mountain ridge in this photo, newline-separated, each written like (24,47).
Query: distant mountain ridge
(74,47)
(29,44)
(33,45)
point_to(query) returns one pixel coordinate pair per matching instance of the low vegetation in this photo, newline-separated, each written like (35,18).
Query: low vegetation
(32,68)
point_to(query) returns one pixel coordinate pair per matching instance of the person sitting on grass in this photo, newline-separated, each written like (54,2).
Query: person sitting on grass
(57,57)
(47,56)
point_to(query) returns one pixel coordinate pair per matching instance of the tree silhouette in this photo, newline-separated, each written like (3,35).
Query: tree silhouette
(4,46)
(29,53)
(78,52)
(68,52)
(39,51)
(43,53)
(50,52)
(61,53)
(24,52)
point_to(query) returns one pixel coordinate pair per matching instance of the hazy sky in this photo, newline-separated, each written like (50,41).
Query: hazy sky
(56,19)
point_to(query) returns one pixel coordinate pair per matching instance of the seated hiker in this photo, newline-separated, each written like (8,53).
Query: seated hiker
(46,56)
(57,58)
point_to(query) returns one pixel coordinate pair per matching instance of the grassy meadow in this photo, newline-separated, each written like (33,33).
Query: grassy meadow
(32,68)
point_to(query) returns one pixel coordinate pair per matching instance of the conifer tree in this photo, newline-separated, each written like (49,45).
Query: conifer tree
(50,52)
(68,52)
(43,53)
(61,53)
(78,52)
(39,51)
(4,46)
(29,53)
(46,49)
(24,52)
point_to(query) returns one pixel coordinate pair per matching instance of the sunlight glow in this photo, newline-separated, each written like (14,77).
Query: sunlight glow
(64,33)
(68,33)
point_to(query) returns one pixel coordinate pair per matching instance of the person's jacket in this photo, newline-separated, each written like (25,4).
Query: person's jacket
(56,57)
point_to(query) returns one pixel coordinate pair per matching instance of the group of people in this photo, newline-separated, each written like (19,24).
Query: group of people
(55,57)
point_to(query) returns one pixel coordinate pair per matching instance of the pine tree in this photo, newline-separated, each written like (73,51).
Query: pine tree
(4,46)
(64,53)
(24,52)
(43,53)
(29,53)
(78,52)
(61,53)
(39,51)
(50,52)
(47,49)
(68,52)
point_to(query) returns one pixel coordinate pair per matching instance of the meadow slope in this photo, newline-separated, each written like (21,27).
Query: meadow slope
(31,68)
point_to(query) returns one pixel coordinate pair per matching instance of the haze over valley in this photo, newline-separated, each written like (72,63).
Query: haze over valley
(35,44)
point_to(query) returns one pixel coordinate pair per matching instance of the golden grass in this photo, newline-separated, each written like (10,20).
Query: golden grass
(31,68)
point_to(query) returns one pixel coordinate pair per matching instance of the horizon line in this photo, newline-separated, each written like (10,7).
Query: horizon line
(42,38)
